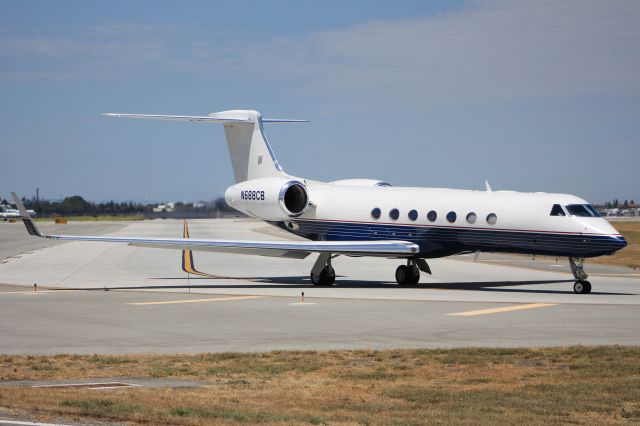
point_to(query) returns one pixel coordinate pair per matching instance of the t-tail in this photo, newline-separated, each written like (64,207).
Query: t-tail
(251,154)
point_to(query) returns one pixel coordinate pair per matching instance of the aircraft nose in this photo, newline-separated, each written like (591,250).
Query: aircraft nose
(620,243)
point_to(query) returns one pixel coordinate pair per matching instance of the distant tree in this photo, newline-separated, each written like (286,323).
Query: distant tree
(75,205)
(616,204)
(4,201)
(222,205)
(626,204)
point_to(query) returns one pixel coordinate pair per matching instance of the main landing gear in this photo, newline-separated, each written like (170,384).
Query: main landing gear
(409,274)
(322,273)
(581,286)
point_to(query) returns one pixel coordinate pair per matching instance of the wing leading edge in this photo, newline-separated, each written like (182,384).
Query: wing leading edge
(292,249)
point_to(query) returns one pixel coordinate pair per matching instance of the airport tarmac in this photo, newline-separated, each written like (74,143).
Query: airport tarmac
(253,303)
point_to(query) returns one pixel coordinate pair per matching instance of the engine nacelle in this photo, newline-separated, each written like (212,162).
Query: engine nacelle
(269,198)
(360,182)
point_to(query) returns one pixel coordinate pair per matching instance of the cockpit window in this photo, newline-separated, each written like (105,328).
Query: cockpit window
(593,211)
(579,210)
(556,210)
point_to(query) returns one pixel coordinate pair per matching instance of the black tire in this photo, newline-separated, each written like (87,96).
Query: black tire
(402,275)
(331,276)
(414,278)
(582,287)
(326,278)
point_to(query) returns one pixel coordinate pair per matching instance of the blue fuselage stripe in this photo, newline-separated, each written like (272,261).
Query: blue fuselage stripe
(437,241)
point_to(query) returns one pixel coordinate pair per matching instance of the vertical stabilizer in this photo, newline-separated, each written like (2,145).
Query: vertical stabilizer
(251,154)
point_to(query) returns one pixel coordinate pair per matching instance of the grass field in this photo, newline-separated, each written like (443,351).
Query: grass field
(577,385)
(630,255)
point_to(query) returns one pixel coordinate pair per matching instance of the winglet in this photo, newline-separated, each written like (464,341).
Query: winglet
(32,229)
(487,186)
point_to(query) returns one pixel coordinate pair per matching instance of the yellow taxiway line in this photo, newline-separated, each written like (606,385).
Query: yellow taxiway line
(503,309)
(215,299)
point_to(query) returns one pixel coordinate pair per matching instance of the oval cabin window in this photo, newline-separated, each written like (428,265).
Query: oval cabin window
(471,218)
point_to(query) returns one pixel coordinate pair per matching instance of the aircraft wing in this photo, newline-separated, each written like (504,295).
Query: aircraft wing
(291,249)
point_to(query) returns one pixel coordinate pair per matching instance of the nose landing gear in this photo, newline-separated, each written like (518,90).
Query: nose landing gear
(581,286)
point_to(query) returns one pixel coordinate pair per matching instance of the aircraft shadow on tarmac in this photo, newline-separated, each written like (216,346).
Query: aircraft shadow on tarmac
(304,282)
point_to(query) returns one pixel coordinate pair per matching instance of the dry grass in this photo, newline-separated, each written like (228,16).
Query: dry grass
(580,385)
(630,255)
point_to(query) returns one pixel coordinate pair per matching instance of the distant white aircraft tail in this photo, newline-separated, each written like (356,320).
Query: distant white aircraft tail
(251,154)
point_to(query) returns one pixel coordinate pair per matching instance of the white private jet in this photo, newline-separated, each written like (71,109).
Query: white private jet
(365,217)
(6,212)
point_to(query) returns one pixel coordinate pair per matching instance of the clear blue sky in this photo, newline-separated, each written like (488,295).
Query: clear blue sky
(533,96)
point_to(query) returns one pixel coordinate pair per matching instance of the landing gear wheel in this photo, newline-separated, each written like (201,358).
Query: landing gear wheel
(582,287)
(326,278)
(407,275)
(414,276)
(402,272)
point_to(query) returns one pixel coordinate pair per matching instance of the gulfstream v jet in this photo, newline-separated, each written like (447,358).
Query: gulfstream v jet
(365,217)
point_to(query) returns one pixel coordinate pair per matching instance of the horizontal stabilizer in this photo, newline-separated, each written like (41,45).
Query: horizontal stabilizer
(283,120)
(237,116)
(194,118)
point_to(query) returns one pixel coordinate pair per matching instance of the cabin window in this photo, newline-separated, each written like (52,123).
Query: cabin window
(578,210)
(556,210)
(413,215)
(432,216)
(492,218)
(451,217)
(471,218)
(375,213)
(394,214)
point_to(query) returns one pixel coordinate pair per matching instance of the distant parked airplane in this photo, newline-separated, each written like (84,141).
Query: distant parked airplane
(6,212)
(367,217)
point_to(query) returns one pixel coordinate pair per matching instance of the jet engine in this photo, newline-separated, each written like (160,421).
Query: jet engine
(271,198)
